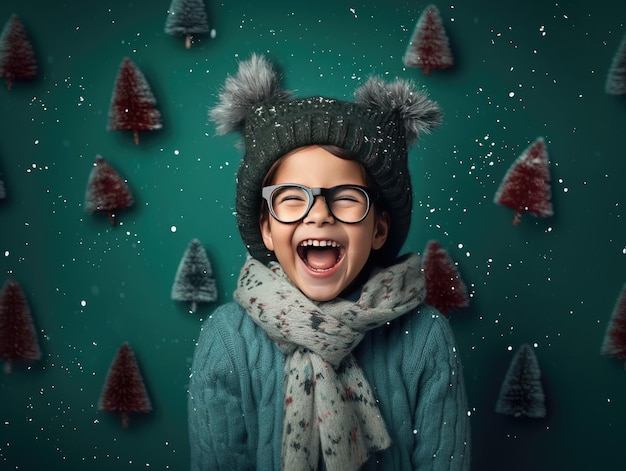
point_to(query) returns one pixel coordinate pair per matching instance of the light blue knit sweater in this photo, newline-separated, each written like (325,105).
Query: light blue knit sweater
(236,396)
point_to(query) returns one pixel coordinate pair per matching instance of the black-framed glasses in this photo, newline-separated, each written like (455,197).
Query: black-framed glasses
(291,202)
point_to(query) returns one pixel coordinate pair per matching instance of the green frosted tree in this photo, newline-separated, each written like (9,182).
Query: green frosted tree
(616,79)
(194,281)
(186,18)
(521,393)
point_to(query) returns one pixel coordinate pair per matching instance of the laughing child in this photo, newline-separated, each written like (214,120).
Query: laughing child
(327,359)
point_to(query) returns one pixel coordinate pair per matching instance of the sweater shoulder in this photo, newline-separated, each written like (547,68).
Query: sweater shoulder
(230,341)
(421,329)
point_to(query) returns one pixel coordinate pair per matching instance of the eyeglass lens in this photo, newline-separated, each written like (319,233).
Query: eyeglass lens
(348,204)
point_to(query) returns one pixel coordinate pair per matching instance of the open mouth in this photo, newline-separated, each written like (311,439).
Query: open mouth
(320,255)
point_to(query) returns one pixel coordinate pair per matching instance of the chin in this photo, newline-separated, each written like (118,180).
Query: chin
(320,295)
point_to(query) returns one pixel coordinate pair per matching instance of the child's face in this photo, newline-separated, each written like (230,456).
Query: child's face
(322,273)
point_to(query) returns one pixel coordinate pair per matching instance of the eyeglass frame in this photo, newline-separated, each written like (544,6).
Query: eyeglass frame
(267,192)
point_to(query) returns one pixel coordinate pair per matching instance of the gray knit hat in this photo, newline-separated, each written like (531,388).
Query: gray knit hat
(378,127)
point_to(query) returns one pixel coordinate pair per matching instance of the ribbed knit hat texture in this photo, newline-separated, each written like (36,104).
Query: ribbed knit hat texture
(381,124)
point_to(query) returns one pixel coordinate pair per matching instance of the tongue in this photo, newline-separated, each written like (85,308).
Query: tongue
(321,259)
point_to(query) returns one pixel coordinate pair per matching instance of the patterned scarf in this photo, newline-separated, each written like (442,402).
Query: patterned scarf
(329,404)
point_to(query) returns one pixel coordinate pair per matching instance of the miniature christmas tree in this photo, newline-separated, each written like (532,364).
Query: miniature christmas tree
(17,59)
(429,46)
(186,18)
(526,185)
(106,191)
(18,339)
(616,79)
(133,107)
(614,344)
(124,390)
(445,289)
(194,279)
(521,392)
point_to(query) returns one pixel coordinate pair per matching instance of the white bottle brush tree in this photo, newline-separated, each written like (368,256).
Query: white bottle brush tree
(187,18)
(194,281)
(616,78)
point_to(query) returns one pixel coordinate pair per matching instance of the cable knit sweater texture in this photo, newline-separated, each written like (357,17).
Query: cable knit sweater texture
(236,394)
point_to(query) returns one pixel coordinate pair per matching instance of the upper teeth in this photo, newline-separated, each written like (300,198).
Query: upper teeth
(319,243)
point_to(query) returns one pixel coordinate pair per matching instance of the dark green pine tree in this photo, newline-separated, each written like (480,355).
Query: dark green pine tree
(521,392)
(616,79)
(194,281)
(18,338)
(124,391)
(186,18)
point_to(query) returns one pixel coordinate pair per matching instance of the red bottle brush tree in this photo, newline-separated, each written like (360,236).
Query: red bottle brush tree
(526,186)
(187,18)
(194,281)
(445,290)
(133,106)
(124,391)
(614,344)
(521,393)
(18,339)
(429,47)
(106,190)
(616,79)
(17,58)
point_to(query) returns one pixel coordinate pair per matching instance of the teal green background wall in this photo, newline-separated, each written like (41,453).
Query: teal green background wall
(524,69)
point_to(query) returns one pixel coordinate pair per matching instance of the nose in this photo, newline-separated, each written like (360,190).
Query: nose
(320,213)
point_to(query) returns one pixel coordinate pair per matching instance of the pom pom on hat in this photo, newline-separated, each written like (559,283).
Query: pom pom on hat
(256,82)
(418,113)
(377,129)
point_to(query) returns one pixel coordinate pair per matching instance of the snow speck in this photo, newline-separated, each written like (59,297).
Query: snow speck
(6,252)
(173,228)
(511,94)
(83,303)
